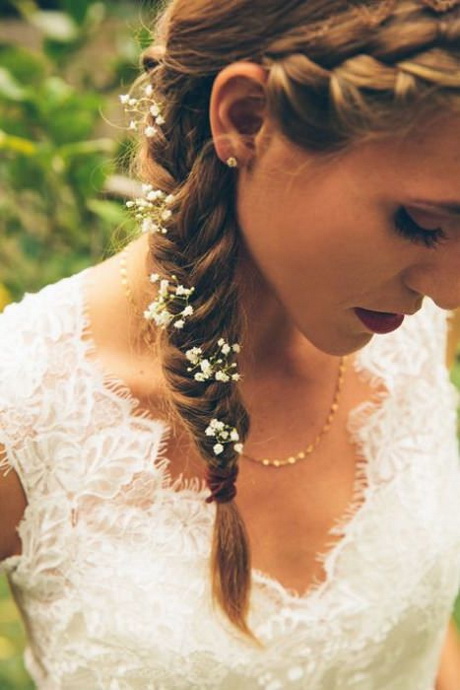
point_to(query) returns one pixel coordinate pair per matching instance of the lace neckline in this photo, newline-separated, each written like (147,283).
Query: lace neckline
(361,418)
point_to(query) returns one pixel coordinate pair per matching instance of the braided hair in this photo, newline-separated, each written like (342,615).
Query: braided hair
(338,72)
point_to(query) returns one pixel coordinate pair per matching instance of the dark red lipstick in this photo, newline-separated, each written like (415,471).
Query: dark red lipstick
(379,321)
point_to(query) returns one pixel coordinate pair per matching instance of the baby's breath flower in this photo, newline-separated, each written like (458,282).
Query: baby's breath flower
(168,294)
(194,354)
(188,311)
(152,209)
(124,98)
(224,434)
(220,376)
(150,131)
(148,90)
(216,366)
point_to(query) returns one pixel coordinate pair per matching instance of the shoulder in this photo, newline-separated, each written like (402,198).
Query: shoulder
(32,332)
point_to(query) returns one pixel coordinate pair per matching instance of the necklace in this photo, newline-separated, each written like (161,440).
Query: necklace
(291,460)
(125,282)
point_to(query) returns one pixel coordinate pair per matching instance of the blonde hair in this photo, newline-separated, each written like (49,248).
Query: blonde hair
(338,72)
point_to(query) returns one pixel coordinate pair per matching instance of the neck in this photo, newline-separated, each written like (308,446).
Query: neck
(272,345)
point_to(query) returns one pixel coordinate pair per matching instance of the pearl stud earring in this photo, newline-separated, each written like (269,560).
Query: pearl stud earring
(232,162)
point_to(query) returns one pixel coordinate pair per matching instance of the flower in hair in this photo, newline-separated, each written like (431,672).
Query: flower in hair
(169,294)
(217,366)
(153,209)
(143,109)
(223,434)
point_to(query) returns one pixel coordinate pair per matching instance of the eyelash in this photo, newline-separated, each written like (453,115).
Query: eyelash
(408,228)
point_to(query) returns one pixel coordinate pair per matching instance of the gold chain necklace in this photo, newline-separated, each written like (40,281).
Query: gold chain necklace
(264,461)
(291,460)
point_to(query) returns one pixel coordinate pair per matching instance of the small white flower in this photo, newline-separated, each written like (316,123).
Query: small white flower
(166,215)
(150,131)
(226,349)
(236,377)
(200,377)
(154,110)
(222,376)
(147,225)
(133,126)
(210,431)
(234,435)
(188,311)
(124,98)
(160,120)
(164,319)
(236,348)
(206,367)
(164,285)
(148,90)
(154,277)
(194,354)
(130,204)
(169,199)
(221,342)
(218,449)
(179,324)
(152,195)
(146,188)
(238,447)
(132,102)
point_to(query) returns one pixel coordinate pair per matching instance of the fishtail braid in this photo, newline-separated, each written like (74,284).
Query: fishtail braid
(201,249)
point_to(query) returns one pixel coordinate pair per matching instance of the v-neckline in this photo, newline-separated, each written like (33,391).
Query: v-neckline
(362,486)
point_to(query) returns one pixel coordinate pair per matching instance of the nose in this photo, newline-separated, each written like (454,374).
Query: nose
(438,280)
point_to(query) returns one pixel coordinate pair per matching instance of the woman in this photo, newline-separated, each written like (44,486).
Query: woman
(236,440)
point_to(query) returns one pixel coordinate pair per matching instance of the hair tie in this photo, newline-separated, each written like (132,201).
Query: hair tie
(221,483)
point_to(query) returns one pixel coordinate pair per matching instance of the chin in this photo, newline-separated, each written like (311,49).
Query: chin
(341,345)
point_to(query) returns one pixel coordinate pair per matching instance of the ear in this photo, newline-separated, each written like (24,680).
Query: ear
(238,110)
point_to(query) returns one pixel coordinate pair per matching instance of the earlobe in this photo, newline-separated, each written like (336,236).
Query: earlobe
(238,110)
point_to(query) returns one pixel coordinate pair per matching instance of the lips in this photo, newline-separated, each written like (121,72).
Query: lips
(379,321)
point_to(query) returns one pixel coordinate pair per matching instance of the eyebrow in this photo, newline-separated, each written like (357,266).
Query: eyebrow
(451,207)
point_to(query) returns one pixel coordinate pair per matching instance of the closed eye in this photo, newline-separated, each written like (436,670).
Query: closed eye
(406,226)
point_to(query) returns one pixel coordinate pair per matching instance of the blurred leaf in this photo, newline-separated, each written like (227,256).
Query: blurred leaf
(5,298)
(17,145)
(57,26)
(110,212)
(77,10)
(26,67)
(9,87)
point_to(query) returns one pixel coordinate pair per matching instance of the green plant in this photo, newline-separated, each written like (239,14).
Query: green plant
(55,156)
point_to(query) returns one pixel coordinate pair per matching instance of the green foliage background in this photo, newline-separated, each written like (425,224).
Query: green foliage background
(58,156)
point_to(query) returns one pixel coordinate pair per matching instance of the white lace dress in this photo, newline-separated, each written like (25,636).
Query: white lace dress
(113,582)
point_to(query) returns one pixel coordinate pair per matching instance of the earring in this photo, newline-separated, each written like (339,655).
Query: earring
(232,162)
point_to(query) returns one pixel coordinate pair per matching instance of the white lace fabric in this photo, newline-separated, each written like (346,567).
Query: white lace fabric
(113,580)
